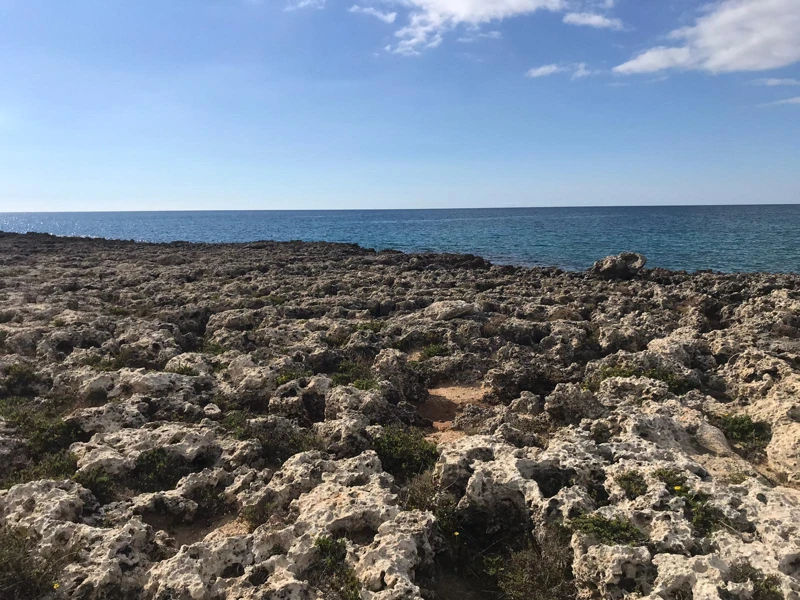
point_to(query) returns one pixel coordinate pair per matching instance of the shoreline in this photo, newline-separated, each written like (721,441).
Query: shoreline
(230,420)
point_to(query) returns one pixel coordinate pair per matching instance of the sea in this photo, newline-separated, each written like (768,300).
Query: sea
(720,238)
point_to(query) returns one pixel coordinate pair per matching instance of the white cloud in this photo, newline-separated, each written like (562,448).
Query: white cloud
(300,4)
(592,20)
(429,20)
(579,71)
(732,35)
(480,35)
(368,10)
(776,82)
(544,71)
(795,100)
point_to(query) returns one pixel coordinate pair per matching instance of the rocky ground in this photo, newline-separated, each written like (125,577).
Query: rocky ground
(304,421)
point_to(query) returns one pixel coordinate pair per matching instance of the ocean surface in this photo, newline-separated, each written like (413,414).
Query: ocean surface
(722,238)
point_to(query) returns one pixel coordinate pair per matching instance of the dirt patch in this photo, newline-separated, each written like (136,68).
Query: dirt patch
(445,402)
(186,534)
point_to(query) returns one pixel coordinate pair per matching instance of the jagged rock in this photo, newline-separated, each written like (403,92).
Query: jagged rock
(621,266)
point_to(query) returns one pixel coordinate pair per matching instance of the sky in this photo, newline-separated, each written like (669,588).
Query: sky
(331,104)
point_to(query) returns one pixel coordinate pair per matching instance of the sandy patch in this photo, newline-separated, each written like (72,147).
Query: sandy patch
(445,402)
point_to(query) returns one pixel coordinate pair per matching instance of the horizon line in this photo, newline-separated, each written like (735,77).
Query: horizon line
(300,210)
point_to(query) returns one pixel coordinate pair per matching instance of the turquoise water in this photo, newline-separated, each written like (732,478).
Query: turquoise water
(722,238)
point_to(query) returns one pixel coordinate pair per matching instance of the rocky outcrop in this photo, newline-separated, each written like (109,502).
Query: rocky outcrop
(214,422)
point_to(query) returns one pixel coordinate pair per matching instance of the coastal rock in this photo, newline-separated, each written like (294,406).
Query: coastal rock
(310,421)
(621,266)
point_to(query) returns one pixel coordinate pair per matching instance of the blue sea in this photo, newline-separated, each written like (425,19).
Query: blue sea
(722,238)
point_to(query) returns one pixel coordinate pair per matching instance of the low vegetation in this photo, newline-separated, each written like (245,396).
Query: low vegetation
(19,380)
(749,438)
(184,370)
(542,572)
(356,374)
(422,493)
(611,532)
(632,483)
(433,350)
(705,517)
(332,574)
(100,483)
(765,587)
(25,574)
(157,470)
(288,376)
(404,452)
(47,437)
(676,384)
(277,444)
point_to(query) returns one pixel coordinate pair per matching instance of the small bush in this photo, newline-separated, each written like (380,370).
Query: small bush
(42,427)
(674,480)
(543,572)
(184,370)
(676,384)
(632,483)
(57,466)
(277,444)
(257,514)
(356,374)
(609,531)
(100,483)
(422,493)
(158,470)
(213,348)
(20,380)
(373,326)
(211,502)
(26,574)
(749,438)
(435,350)
(704,517)
(765,587)
(333,575)
(285,378)
(404,452)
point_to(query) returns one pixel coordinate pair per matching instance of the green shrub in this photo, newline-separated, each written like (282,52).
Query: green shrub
(100,483)
(704,517)
(257,514)
(543,572)
(404,452)
(285,378)
(20,380)
(632,483)
(211,502)
(373,326)
(332,574)
(765,587)
(213,348)
(42,427)
(676,384)
(26,574)
(749,438)
(422,493)
(57,466)
(277,444)
(184,370)
(609,531)
(674,480)
(435,350)
(158,470)
(356,374)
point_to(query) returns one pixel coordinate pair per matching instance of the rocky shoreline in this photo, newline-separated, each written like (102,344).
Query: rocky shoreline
(303,421)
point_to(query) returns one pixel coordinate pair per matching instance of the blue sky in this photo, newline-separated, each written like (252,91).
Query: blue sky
(261,104)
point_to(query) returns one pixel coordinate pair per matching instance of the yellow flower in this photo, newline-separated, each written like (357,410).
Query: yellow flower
(677,488)
(456,533)
(56,586)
